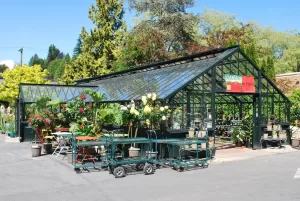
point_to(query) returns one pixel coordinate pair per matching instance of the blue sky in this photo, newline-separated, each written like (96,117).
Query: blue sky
(35,24)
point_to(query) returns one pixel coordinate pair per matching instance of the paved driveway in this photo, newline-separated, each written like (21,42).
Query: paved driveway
(47,178)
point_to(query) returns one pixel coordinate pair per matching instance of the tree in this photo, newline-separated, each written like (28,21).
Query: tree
(77,50)
(176,25)
(270,70)
(56,67)
(141,46)
(9,89)
(219,29)
(36,60)
(263,66)
(53,53)
(3,67)
(101,47)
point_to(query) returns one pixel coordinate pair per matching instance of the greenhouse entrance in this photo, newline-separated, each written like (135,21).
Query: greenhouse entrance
(220,91)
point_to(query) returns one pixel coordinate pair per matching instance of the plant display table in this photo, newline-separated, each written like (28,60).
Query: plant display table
(280,141)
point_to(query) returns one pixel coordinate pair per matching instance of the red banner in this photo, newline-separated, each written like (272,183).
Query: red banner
(248,84)
(238,83)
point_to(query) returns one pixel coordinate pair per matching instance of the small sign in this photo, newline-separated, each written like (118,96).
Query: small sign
(238,83)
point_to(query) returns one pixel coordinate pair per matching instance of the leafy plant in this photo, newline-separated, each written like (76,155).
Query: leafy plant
(238,134)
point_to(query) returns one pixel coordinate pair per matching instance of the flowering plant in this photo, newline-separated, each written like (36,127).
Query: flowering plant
(42,120)
(272,116)
(148,113)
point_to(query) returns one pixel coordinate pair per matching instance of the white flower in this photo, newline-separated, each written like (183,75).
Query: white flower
(148,122)
(144,102)
(128,106)
(153,96)
(132,110)
(162,108)
(136,113)
(166,107)
(123,107)
(163,117)
(147,109)
(144,98)
(149,95)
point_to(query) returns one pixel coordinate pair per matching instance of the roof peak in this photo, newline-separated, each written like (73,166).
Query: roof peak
(156,65)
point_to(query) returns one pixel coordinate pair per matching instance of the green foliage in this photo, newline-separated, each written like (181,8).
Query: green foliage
(270,72)
(101,47)
(9,89)
(295,109)
(263,66)
(238,134)
(3,67)
(56,67)
(171,20)
(36,60)
(53,53)
(42,103)
(77,50)
(247,127)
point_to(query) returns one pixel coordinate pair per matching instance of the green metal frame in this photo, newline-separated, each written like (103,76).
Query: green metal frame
(195,84)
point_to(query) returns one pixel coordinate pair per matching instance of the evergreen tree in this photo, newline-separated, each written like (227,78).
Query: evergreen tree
(77,49)
(36,60)
(171,19)
(53,53)
(263,66)
(101,47)
(252,53)
(270,71)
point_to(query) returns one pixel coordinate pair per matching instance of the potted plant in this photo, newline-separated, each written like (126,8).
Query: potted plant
(269,127)
(47,147)
(211,142)
(282,135)
(191,132)
(274,135)
(237,136)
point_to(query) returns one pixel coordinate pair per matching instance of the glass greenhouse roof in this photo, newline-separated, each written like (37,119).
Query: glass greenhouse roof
(30,93)
(163,81)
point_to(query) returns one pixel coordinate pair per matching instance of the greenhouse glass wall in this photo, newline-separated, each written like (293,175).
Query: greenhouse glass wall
(201,89)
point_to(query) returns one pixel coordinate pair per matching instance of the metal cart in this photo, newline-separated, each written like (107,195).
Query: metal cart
(182,163)
(119,163)
(83,160)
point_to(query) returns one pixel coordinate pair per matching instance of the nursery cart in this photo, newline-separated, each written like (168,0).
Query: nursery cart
(182,163)
(160,160)
(118,165)
(83,160)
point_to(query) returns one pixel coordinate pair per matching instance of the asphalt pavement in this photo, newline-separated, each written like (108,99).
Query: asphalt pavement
(47,178)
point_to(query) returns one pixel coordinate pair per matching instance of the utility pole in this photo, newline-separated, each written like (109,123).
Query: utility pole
(21,50)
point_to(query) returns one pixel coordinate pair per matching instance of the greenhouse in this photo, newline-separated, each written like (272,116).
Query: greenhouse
(215,90)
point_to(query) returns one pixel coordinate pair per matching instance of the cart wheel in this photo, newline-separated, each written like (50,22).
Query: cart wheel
(180,169)
(110,169)
(77,170)
(140,166)
(148,169)
(119,172)
(201,165)
(158,166)
(206,165)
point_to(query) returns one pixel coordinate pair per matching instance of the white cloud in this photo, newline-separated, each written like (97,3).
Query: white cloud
(9,63)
